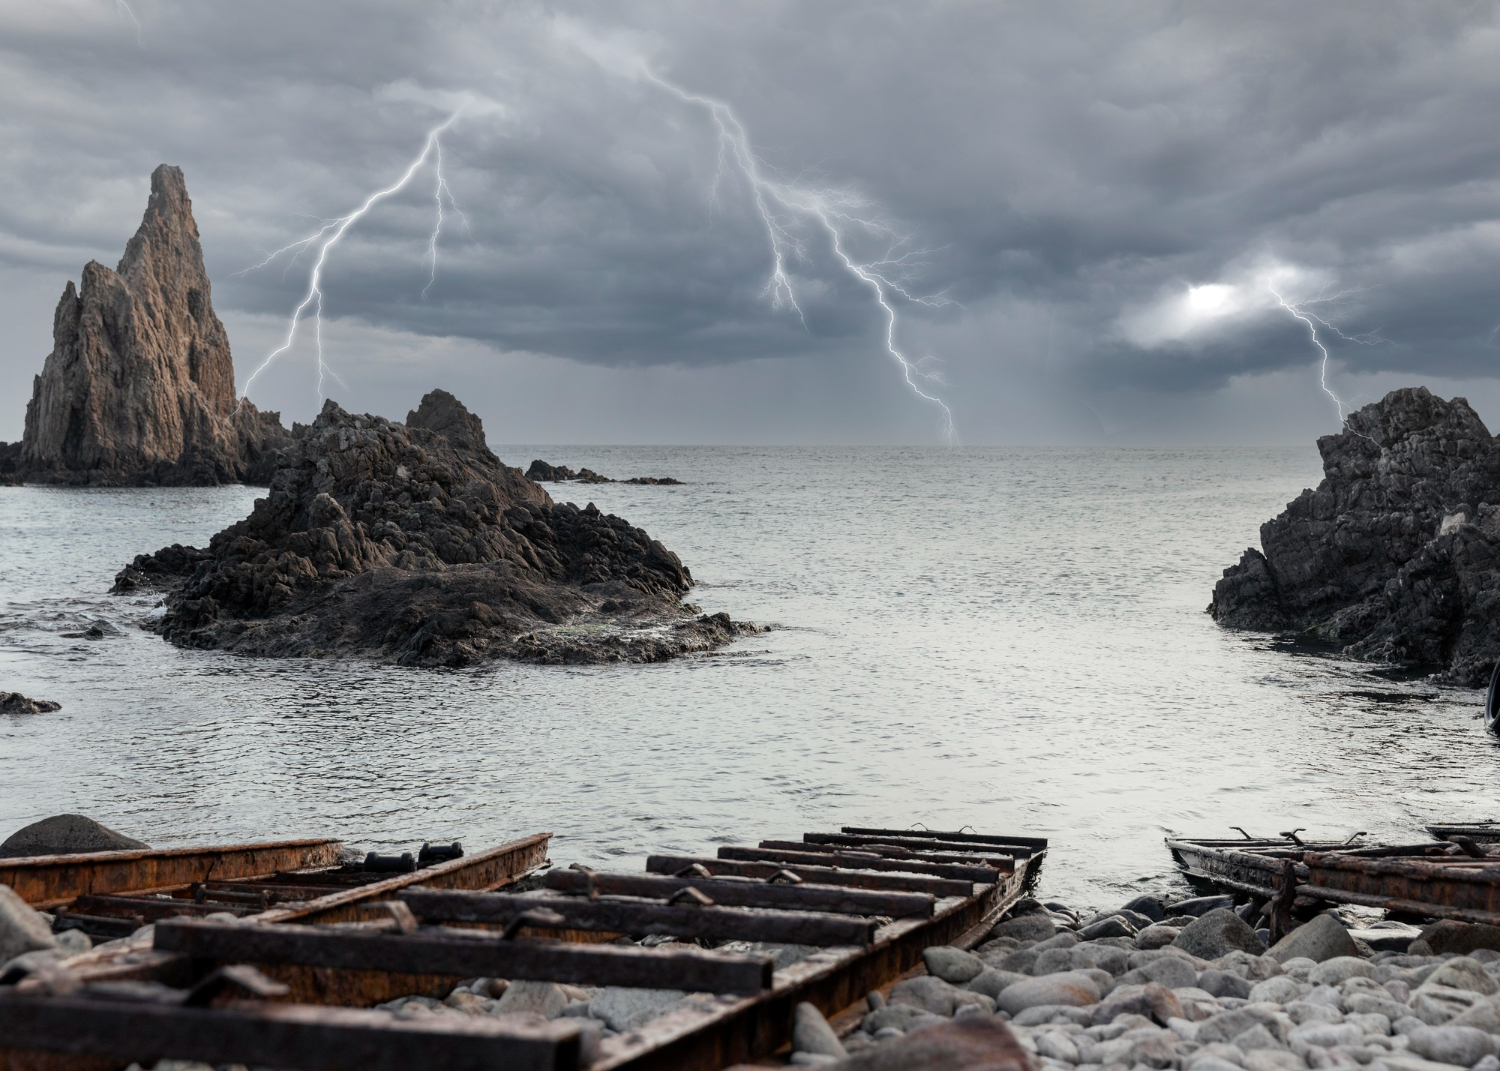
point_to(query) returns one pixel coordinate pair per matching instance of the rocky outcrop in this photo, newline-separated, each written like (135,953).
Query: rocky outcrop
(1395,556)
(542,472)
(16,703)
(139,386)
(414,542)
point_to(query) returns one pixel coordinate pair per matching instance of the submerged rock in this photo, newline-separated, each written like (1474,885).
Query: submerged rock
(139,386)
(542,472)
(1396,555)
(16,703)
(65,834)
(414,542)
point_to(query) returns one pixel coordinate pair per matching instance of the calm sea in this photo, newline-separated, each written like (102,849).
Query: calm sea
(1010,639)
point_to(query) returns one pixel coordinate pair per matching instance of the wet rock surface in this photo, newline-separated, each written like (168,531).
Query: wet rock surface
(542,472)
(413,542)
(139,386)
(1395,556)
(16,703)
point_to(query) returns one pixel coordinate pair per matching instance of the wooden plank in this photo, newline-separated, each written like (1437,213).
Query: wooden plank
(853,861)
(647,917)
(743,893)
(856,841)
(823,875)
(470,954)
(279,1035)
(1038,843)
(891,851)
(51,881)
(483,871)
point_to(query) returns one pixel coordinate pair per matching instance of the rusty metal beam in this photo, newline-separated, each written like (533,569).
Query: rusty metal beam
(482,871)
(854,860)
(50,881)
(441,950)
(742,893)
(280,1035)
(1006,863)
(823,874)
(150,908)
(858,841)
(647,917)
(1035,843)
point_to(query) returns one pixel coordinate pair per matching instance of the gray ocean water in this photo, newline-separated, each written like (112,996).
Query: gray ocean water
(1011,639)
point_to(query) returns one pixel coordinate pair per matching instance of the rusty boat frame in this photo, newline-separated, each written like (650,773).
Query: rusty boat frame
(270,989)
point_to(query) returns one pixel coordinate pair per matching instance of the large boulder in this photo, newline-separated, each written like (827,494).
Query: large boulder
(1321,939)
(22,930)
(1396,555)
(414,542)
(65,834)
(139,386)
(1217,933)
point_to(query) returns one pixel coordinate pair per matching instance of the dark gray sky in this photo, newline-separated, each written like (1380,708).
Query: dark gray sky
(1106,198)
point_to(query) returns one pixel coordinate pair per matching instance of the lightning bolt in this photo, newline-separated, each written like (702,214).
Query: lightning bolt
(1312,321)
(123,8)
(328,235)
(834,211)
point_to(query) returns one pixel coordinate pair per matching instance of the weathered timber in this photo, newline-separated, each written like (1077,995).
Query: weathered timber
(823,874)
(867,861)
(891,851)
(151,908)
(743,893)
(1036,843)
(445,951)
(858,841)
(49,881)
(482,872)
(647,917)
(279,1035)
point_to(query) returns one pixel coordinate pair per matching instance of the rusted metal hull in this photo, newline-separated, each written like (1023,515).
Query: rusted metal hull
(51,881)
(1245,867)
(1467,890)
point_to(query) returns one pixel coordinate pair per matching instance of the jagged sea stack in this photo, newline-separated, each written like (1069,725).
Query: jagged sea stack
(139,386)
(1396,555)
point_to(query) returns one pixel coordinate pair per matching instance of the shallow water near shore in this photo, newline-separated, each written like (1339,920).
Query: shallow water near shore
(1012,639)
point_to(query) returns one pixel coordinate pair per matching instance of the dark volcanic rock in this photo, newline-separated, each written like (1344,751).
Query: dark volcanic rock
(65,834)
(415,542)
(16,703)
(139,386)
(1396,556)
(542,472)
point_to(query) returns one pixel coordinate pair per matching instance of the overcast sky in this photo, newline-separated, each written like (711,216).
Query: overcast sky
(1094,222)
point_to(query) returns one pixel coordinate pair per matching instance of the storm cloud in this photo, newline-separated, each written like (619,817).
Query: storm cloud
(1113,205)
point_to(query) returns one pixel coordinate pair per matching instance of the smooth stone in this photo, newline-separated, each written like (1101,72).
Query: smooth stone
(1361,1003)
(875,999)
(1101,957)
(1460,937)
(1169,971)
(1340,969)
(1370,1022)
(22,928)
(933,995)
(952,965)
(1212,1063)
(1406,1024)
(1462,1045)
(1323,938)
(1151,1000)
(991,982)
(1229,1024)
(623,1009)
(1267,1059)
(1250,967)
(1224,984)
(1056,1045)
(1151,905)
(532,998)
(1278,990)
(1018,962)
(1401,1061)
(892,1017)
(1302,1011)
(970,1042)
(1464,973)
(811,1033)
(1070,987)
(1488,1063)
(1061,939)
(1199,906)
(1323,1036)
(1257,1037)
(1217,932)
(1158,936)
(1049,1013)
(1484,1015)
(1052,961)
(1436,1005)
(1025,928)
(1113,926)
(72,942)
